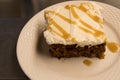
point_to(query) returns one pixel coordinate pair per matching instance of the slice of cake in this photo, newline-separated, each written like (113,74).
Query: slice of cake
(75,30)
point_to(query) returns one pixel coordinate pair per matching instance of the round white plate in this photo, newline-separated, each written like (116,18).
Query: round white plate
(34,58)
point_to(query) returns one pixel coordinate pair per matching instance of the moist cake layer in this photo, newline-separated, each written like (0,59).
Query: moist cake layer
(60,50)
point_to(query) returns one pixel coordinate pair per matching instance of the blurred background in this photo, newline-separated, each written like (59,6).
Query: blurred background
(13,16)
(26,8)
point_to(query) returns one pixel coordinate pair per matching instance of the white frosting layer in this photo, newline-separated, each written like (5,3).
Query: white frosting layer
(54,35)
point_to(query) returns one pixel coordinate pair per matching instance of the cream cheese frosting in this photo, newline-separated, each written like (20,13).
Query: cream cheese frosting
(75,24)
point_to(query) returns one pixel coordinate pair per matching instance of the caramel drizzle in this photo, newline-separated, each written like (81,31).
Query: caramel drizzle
(61,16)
(95,18)
(81,7)
(54,31)
(96,33)
(66,35)
(67,20)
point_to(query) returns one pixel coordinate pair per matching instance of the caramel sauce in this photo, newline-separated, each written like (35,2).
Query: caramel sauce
(97,32)
(95,18)
(81,7)
(65,34)
(67,6)
(54,31)
(87,62)
(85,30)
(64,18)
(74,40)
(74,13)
(113,47)
(72,22)
(61,16)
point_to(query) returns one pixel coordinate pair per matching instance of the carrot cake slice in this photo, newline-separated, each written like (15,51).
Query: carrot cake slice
(75,30)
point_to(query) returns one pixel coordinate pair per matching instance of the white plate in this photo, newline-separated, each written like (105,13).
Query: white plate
(32,52)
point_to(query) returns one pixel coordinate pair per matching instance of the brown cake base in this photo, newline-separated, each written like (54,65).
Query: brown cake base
(60,51)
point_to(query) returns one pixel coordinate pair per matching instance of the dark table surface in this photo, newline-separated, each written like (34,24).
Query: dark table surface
(13,16)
